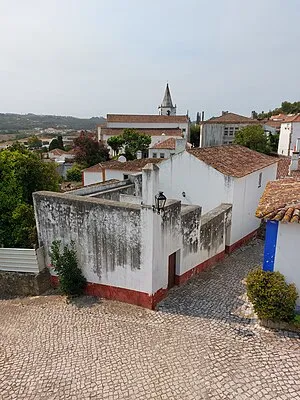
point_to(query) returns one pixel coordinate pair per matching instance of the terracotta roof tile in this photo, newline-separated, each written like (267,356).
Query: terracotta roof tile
(233,160)
(292,118)
(231,118)
(57,152)
(132,165)
(147,131)
(169,144)
(139,118)
(280,201)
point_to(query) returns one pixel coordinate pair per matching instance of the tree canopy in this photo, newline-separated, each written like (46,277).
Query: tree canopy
(195,135)
(285,108)
(34,142)
(21,174)
(56,143)
(88,151)
(116,143)
(132,142)
(253,137)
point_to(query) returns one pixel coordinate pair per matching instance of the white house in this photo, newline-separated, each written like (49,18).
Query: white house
(118,170)
(280,207)
(289,138)
(168,147)
(221,130)
(59,155)
(221,174)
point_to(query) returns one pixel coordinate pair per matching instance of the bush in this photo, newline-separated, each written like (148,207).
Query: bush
(65,264)
(74,174)
(272,297)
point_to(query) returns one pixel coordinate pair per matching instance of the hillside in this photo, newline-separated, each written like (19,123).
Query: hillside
(16,122)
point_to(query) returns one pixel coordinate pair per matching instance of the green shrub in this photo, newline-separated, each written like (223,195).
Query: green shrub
(65,264)
(271,296)
(74,174)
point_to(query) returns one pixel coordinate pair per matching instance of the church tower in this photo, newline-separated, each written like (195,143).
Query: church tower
(166,107)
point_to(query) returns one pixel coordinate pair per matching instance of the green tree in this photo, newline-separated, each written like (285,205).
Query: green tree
(60,142)
(21,174)
(253,137)
(195,135)
(135,141)
(88,151)
(74,174)
(34,142)
(273,142)
(53,144)
(116,143)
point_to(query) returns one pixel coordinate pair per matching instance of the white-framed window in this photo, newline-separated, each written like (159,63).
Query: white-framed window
(154,155)
(161,155)
(259,179)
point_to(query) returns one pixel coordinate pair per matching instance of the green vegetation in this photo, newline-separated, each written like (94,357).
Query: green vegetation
(9,123)
(74,174)
(253,137)
(195,134)
(21,174)
(88,151)
(34,142)
(65,264)
(273,299)
(286,108)
(132,141)
(56,143)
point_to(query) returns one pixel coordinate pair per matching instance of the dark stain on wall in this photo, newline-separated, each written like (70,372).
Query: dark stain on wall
(190,224)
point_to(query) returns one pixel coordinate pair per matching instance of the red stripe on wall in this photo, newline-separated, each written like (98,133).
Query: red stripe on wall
(241,242)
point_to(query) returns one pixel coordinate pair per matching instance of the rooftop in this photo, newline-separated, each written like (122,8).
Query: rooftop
(280,201)
(233,160)
(169,144)
(231,118)
(132,165)
(140,118)
(147,131)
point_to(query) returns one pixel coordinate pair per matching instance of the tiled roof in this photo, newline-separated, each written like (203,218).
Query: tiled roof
(57,152)
(280,201)
(132,165)
(233,160)
(169,144)
(139,118)
(292,118)
(147,131)
(231,118)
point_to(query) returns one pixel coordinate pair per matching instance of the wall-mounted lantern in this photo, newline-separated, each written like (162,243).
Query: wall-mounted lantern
(160,201)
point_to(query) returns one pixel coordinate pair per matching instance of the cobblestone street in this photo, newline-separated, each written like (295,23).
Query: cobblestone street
(202,343)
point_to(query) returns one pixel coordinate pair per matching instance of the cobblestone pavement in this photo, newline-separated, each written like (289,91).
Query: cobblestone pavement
(203,343)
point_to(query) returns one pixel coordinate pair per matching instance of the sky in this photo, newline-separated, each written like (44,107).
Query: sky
(92,57)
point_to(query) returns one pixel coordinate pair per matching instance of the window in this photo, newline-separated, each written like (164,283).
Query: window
(183,129)
(154,155)
(125,176)
(259,179)
(226,131)
(162,155)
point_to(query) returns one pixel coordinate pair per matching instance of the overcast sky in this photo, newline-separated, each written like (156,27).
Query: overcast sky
(91,57)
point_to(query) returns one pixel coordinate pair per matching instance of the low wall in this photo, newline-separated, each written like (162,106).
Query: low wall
(22,260)
(114,194)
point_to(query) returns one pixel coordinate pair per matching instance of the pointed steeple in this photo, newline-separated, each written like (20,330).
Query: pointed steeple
(166,107)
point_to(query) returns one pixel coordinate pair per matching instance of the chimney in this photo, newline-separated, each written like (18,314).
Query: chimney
(224,112)
(139,154)
(294,162)
(180,145)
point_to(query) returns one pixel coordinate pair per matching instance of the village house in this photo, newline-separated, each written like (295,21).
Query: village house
(221,130)
(289,138)
(279,206)
(132,243)
(167,148)
(165,125)
(229,174)
(115,169)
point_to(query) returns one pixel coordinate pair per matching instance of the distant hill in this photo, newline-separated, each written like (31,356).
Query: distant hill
(17,122)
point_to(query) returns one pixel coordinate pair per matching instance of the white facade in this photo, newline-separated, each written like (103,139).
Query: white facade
(289,139)
(92,177)
(287,254)
(186,178)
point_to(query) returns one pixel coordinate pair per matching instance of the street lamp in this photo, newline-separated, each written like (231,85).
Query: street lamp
(160,201)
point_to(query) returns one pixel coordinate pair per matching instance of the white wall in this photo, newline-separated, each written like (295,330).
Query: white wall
(202,184)
(284,139)
(139,125)
(287,253)
(90,178)
(246,196)
(167,153)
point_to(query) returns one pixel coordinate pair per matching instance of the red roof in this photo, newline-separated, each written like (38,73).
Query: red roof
(57,152)
(169,144)
(139,118)
(231,118)
(147,131)
(132,165)
(233,160)
(292,118)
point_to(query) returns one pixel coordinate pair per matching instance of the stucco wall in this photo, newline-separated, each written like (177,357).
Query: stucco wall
(212,135)
(202,184)
(287,256)
(114,194)
(284,139)
(166,152)
(90,178)
(245,200)
(107,236)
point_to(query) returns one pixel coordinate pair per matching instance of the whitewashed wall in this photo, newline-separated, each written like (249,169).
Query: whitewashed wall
(166,152)
(287,254)
(89,178)
(202,184)
(246,196)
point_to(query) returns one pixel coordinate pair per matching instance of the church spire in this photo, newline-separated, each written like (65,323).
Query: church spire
(166,107)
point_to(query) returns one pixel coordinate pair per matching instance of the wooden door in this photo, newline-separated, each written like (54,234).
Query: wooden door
(171,271)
